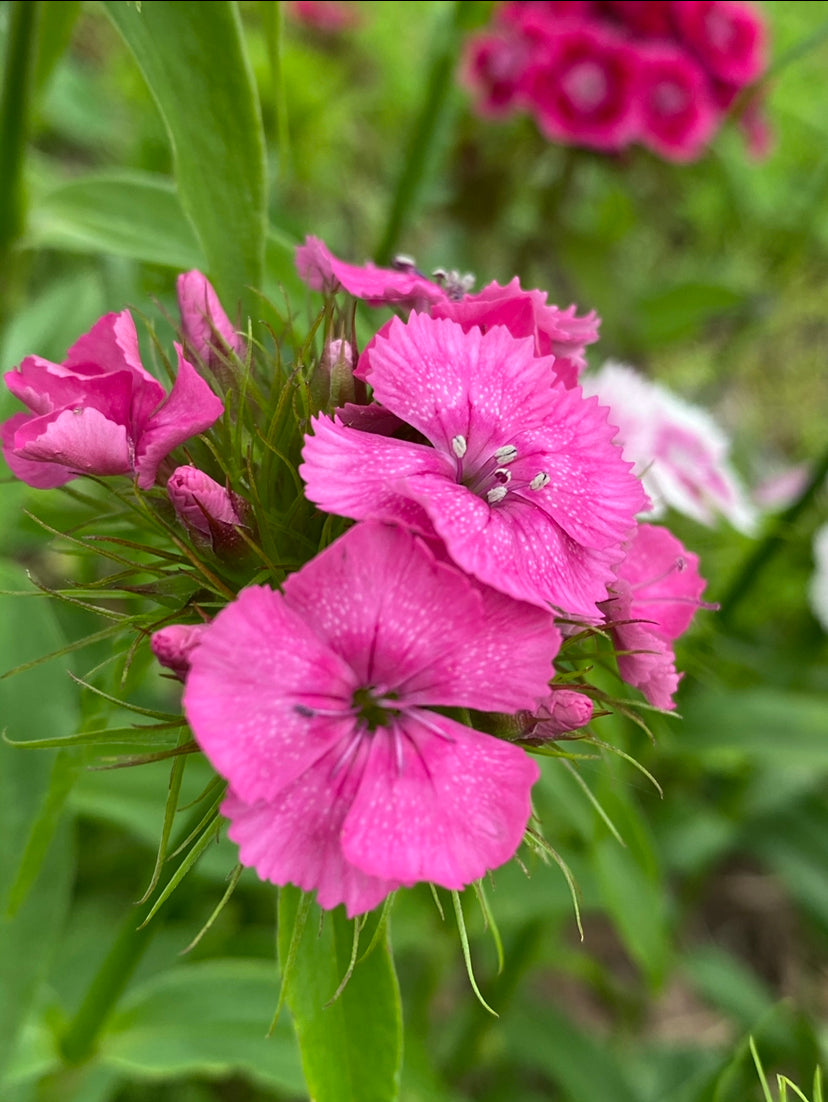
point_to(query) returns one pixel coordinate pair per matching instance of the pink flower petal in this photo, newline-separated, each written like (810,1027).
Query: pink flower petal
(406,621)
(438,802)
(322,271)
(191,408)
(255,669)
(295,839)
(43,476)
(82,440)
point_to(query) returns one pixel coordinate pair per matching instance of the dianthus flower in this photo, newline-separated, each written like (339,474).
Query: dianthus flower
(516,474)
(677,448)
(317,706)
(100,412)
(556,332)
(677,114)
(653,601)
(400,286)
(581,87)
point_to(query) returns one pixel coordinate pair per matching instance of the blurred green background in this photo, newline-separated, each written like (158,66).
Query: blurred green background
(710,923)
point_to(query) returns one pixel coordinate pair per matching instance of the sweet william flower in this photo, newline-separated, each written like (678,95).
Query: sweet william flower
(679,450)
(556,332)
(100,412)
(317,706)
(400,286)
(518,476)
(653,601)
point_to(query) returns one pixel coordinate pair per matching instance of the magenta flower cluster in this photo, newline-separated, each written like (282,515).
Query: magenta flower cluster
(608,73)
(495,514)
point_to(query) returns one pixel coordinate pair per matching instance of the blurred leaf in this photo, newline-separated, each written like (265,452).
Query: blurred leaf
(38,701)
(131,214)
(351,1047)
(637,904)
(209,1018)
(57,21)
(193,58)
(728,984)
(782,728)
(582,1066)
(48,325)
(673,313)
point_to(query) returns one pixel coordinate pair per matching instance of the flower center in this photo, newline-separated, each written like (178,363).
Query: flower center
(372,711)
(493,478)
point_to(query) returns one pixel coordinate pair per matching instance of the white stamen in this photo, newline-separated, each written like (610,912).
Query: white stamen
(540,480)
(503,476)
(403,263)
(497,493)
(506,454)
(459,446)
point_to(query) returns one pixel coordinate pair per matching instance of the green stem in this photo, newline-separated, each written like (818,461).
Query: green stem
(431,117)
(775,539)
(78,1042)
(15,111)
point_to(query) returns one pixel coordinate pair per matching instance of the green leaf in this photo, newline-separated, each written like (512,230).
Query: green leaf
(131,214)
(208,1018)
(584,1068)
(41,700)
(193,58)
(781,728)
(351,1047)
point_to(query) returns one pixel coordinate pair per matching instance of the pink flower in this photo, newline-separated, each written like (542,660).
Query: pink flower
(209,335)
(323,15)
(100,412)
(680,452)
(516,475)
(555,332)
(401,286)
(648,18)
(559,713)
(174,645)
(493,68)
(316,705)
(727,37)
(209,510)
(583,88)
(652,603)
(677,114)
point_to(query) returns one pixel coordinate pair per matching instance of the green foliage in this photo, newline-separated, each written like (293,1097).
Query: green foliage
(133,148)
(342,993)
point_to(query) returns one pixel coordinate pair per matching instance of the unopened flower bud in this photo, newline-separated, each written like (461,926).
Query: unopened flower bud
(210,512)
(173,645)
(208,332)
(333,379)
(563,711)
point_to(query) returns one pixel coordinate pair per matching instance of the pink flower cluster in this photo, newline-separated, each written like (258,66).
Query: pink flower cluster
(607,73)
(494,509)
(491,503)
